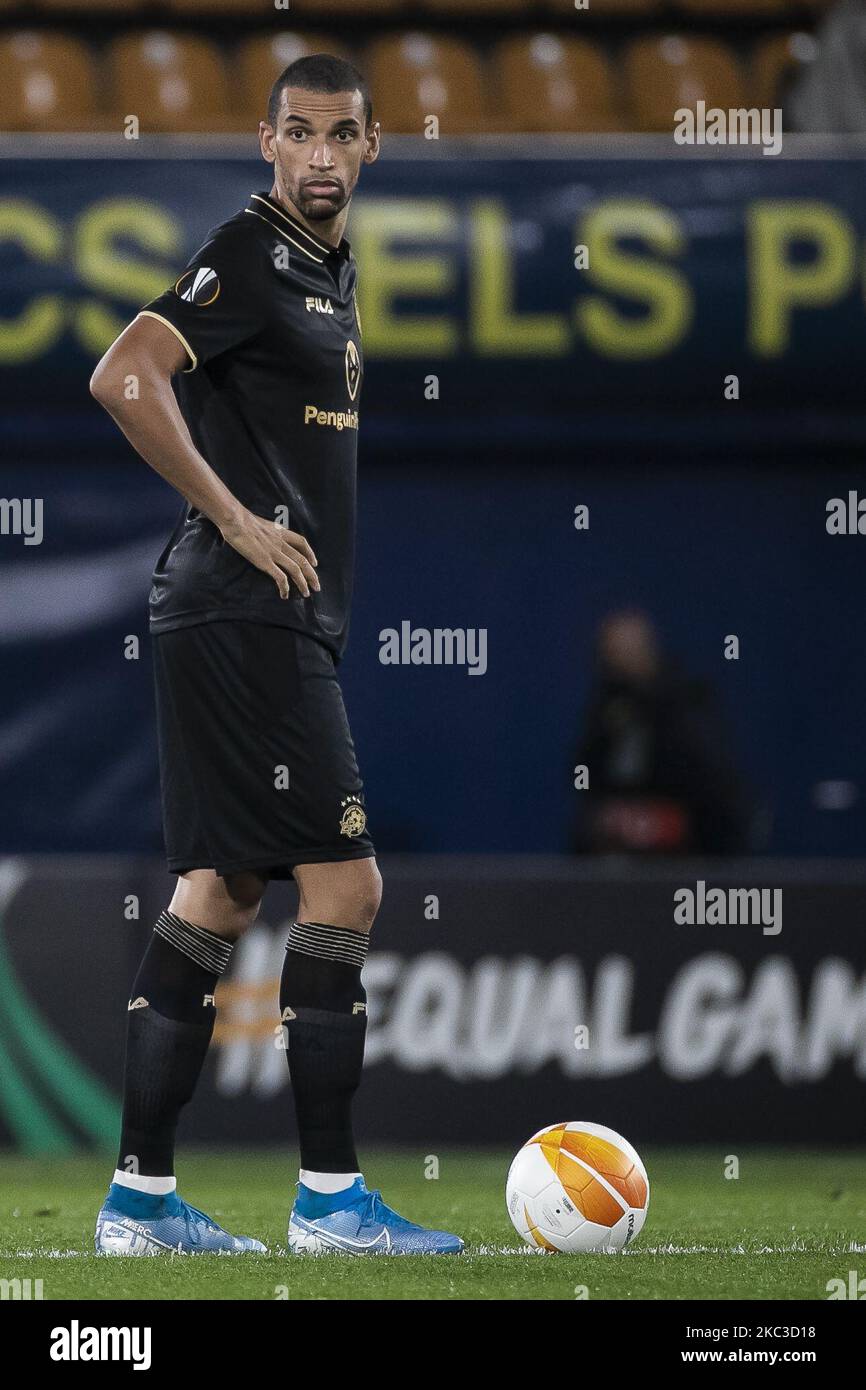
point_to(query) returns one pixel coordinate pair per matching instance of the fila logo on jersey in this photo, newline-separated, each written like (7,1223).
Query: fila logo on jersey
(199,287)
(353,369)
(321,306)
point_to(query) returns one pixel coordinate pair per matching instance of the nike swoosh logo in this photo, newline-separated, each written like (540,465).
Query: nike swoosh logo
(346,1242)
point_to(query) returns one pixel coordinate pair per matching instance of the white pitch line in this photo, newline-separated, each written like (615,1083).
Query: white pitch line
(504,1250)
(796,1248)
(44,1254)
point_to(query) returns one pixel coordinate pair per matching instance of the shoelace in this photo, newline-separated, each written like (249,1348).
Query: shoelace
(192,1215)
(376,1209)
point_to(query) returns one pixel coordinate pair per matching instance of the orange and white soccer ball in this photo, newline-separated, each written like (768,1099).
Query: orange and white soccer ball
(577,1187)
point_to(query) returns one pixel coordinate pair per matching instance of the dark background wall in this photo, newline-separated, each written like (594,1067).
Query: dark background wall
(452,761)
(708,513)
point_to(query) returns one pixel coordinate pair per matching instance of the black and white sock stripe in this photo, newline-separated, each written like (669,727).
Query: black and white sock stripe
(207,950)
(329,943)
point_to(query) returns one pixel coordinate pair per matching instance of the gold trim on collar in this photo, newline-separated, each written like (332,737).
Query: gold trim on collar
(320,260)
(296,227)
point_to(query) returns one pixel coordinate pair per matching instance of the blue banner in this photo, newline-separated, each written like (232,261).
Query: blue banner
(577,301)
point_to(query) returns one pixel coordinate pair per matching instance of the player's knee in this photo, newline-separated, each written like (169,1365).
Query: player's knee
(371,891)
(363,894)
(344,894)
(225,906)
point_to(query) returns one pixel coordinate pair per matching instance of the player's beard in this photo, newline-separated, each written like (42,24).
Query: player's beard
(319,209)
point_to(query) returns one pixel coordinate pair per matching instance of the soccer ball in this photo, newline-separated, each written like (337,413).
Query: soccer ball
(577,1187)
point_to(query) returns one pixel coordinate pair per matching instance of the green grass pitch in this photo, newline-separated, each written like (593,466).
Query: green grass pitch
(789,1223)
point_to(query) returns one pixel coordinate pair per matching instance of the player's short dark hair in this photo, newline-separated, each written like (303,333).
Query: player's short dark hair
(320,72)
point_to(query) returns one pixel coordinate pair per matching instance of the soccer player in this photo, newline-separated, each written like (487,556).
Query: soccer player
(240,387)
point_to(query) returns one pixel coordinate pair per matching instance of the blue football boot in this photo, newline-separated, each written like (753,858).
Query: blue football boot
(137,1223)
(357,1222)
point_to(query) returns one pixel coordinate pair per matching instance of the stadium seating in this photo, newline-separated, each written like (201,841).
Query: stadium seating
(170,81)
(670,72)
(511,76)
(599,9)
(734,9)
(486,8)
(82,8)
(417,75)
(48,83)
(243,9)
(351,8)
(550,83)
(258,62)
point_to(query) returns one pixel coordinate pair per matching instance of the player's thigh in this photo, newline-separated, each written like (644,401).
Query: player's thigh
(322,815)
(226,906)
(345,893)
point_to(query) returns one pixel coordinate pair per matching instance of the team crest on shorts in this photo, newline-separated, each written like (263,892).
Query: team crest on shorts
(354,820)
(199,287)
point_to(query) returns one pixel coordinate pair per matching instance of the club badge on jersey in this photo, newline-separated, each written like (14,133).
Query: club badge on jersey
(353,369)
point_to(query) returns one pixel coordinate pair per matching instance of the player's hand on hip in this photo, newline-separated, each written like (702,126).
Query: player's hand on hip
(283,554)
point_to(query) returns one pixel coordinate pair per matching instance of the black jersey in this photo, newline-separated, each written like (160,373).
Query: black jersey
(266,313)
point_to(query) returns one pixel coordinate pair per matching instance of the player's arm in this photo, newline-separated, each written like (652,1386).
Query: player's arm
(148,353)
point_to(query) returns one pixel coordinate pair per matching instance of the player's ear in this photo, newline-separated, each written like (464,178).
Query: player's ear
(371,153)
(267,136)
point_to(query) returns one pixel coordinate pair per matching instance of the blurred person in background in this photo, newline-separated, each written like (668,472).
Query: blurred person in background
(661,777)
(830,95)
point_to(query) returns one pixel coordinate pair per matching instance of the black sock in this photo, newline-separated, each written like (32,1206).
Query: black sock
(171,1019)
(324,1012)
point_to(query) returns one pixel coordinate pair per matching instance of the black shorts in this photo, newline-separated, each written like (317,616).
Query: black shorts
(256,759)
